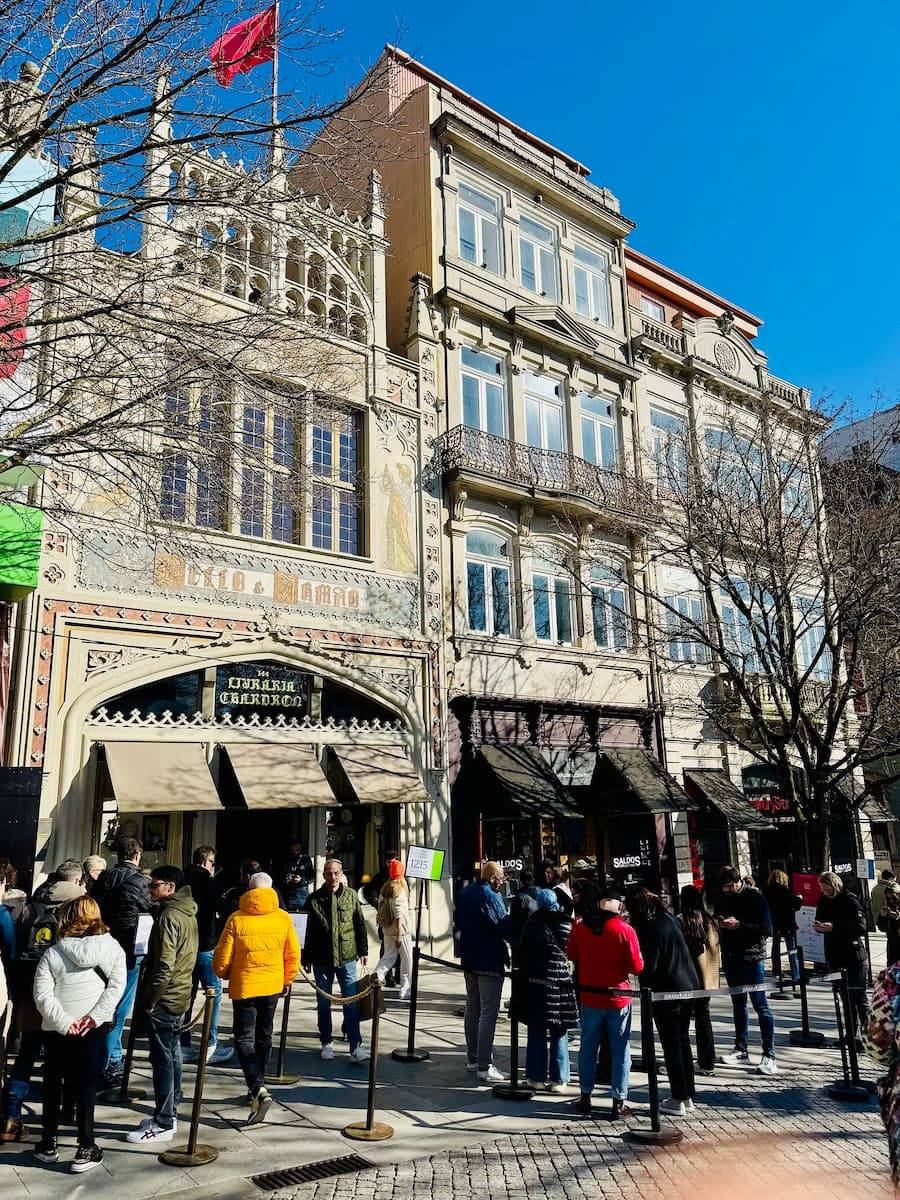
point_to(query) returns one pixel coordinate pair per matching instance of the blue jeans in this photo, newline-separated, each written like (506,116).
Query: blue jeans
(790,944)
(123,1009)
(346,977)
(165,1059)
(617,1024)
(736,974)
(536,1054)
(205,977)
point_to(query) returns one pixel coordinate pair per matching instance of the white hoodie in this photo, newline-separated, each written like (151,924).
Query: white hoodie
(67,988)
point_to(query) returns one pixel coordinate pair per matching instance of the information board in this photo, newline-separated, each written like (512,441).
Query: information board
(299,921)
(424,863)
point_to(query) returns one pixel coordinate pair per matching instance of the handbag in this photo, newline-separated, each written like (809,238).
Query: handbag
(366,1005)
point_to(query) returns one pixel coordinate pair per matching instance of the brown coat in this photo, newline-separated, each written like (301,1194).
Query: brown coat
(393,908)
(710,961)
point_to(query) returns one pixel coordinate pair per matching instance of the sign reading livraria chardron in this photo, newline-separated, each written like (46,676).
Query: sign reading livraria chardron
(245,688)
(111,562)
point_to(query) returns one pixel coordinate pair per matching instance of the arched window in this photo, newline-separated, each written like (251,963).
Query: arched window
(337,321)
(175,177)
(235,243)
(315,276)
(234,283)
(609,605)
(337,244)
(184,263)
(209,238)
(259,290)
(358,331)
(194,185)
(488,573)
(351,256)
(316,310)
(551,586)
(337,289)
(293,268)
(293,302)
(210,273)
(259,248)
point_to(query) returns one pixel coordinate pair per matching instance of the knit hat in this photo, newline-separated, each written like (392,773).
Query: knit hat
(396,869)
(546,898)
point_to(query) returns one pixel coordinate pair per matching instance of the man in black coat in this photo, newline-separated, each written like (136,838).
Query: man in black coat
(839,916)
(207,894)
(742,916)
(123,893)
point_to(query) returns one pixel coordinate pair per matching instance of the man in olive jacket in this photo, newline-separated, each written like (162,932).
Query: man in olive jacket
(166,995)
(335,938)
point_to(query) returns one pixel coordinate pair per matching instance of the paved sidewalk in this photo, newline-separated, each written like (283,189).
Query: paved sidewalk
(446,1125)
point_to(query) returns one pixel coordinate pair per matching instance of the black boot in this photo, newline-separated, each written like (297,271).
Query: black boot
(582,1105)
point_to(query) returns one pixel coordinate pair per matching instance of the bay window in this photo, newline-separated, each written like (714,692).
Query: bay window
(537,258)
(488,572)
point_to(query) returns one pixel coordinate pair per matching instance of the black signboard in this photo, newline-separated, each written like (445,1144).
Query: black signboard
(243,689)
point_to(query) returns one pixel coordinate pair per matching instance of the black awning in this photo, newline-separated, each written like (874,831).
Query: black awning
(522,780)
(574,768)
(872,807)
(632,781)
(716,789)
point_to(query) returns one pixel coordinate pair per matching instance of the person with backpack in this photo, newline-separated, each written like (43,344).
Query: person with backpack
(123,893)
(77,986)
(393,920)
(38,930)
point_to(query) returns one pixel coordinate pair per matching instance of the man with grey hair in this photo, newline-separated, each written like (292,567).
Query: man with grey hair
(484,928)
(335,939)
(92,867)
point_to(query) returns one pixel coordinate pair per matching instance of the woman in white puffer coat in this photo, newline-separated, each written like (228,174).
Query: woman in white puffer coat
(77,986)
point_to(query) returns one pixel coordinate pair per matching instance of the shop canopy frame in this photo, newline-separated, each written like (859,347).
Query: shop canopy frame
(377,773)
(274,775)
(161,776)
(632,782)
(717,791)
(518,781)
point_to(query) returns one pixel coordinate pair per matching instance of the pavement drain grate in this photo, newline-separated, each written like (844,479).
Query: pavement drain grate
(272,1181)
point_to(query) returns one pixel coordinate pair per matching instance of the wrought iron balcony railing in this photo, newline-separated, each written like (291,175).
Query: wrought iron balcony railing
(471,451)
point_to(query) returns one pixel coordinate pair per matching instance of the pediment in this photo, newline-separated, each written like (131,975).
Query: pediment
(550,318)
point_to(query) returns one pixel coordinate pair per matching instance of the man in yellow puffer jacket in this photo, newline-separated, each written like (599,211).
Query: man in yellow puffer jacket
(259,955)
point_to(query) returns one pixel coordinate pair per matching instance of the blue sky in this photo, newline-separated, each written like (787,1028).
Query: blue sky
(755,146)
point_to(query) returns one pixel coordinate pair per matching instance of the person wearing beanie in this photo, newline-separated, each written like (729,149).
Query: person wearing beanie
(258,953)
(394,922)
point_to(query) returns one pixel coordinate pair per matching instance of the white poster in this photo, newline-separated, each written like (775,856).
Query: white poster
(299,921)
(142,934)
(811,943)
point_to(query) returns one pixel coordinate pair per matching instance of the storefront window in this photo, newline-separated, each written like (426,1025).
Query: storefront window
(177,694)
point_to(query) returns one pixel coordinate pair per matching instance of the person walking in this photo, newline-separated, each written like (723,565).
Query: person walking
(605,952)
(200,878)
(889,923)
(165,995)
(668,967)
(887,883)
(839,916)
(783,905)
(484,928)
(393,920)
(336,940)
(258,953)
(77,985)
(545,998)
(703,942)
(744,925)
(123,893)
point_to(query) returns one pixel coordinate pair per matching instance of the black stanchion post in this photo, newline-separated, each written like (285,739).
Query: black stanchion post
(849,1088)
(780,994)
(656,1134)
(194,1155)
(804,1036)
(513,1090)
(411,1054)
(123,1093)
(371,1130)
(279,1079)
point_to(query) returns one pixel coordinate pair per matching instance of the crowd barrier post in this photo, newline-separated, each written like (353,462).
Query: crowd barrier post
(804,1036)
(849,1088)
(123,1093)
(194,1155)
(371,1130)
(513,1090)
(780,993)
(279,1079)
(656,1134)
(411,1054)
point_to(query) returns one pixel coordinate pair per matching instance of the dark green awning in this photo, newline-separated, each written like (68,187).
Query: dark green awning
(716,789)
(21,529)
(522,780)
(631,781)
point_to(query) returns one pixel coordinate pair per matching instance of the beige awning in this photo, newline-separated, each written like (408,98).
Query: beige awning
(161,777)
(273,776)
(381,774)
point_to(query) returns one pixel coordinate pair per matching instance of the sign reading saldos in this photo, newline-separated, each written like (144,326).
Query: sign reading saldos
(247,688)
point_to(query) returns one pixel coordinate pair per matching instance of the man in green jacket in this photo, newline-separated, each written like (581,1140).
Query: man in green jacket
(166,995)
(335,938)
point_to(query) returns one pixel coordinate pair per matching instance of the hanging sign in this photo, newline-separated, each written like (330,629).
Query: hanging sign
(424,863)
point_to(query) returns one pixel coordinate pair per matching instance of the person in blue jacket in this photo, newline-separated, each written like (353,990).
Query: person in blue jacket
(7,924)
(483,927)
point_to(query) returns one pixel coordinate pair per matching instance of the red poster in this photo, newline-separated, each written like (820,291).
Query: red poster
(806,886)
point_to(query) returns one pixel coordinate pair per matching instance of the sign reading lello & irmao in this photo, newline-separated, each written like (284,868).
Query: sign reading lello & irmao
(284,587)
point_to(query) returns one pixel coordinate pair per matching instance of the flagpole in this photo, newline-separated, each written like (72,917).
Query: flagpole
(273,137)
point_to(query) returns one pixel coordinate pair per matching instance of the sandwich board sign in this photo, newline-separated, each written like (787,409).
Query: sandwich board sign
(424,863)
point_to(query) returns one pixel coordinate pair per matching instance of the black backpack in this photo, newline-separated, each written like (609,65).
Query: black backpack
(43,931)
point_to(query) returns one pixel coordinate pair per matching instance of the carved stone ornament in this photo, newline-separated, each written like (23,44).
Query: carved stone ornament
(524,661)
(725,321)
(450,332)
(54,573)
(526,519)
(726,357)
(574,372)
(458,498)
(516,356)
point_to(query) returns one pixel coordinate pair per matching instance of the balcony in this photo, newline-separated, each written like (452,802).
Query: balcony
(510,469)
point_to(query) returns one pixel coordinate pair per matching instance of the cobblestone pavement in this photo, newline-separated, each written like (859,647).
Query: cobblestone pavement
(781,1138)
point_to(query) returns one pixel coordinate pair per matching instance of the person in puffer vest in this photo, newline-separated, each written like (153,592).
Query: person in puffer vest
(258,953)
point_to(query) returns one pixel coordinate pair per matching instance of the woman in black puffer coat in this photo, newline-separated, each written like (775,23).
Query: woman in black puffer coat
(546,994)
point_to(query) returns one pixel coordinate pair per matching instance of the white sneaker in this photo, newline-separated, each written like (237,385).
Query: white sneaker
(259,1106)
(219,1054)
(491,1075)
(673,1107)
(689,1105)
(767,1066)
(735,1059)
(149,1131)
(535,1085)
(327,1051)
(359,1055)
(404,993)
(560,1089)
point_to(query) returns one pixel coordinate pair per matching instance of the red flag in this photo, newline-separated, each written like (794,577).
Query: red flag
(244,46)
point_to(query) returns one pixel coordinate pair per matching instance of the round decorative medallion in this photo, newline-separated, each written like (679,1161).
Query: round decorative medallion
(726,357)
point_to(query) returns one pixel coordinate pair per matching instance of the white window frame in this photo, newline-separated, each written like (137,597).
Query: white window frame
(689,603)
(544,569)
(810,625)
(595,310)
(609,579)
(609,421)
(483,379)
(539,248)
(489,563)
(538,391)
(669,449)
(653,309)
(480,217)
